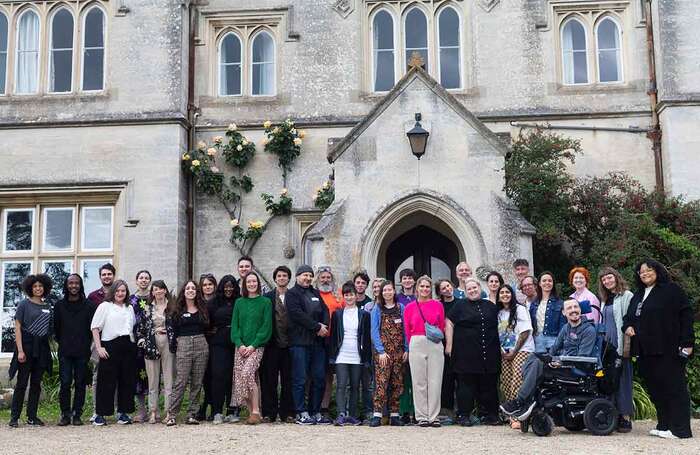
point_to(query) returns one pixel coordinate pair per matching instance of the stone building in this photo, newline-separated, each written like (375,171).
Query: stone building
(100,99)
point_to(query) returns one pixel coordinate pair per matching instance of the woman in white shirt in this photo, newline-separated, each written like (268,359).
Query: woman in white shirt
(113,334)
(515,333)
(350,350)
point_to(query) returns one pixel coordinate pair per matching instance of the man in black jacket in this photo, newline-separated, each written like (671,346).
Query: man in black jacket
(72,318)
(308,320)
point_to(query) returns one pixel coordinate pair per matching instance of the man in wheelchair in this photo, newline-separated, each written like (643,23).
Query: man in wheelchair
(564,379)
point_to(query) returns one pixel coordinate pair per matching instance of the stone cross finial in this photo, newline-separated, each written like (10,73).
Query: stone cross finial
(416,60)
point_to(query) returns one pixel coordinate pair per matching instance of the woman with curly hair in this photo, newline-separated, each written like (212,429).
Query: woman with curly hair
(32,356)
(191,323)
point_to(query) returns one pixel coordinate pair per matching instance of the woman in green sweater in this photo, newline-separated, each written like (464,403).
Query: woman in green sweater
(251,327)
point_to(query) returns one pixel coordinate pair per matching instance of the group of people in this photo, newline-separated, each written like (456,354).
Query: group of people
(426,353)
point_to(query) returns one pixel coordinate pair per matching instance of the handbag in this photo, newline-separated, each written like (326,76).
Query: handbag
(432,332)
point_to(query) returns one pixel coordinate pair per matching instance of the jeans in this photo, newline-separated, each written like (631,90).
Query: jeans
(544,342)
(347,374)
(72,370)
(368,385)
(308,361)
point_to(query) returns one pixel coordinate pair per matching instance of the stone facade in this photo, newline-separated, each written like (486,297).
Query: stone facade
(131,134)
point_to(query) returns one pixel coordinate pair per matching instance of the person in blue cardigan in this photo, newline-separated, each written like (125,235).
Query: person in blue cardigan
(546,313)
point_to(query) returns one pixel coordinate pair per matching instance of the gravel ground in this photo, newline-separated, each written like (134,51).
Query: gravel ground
(264,439)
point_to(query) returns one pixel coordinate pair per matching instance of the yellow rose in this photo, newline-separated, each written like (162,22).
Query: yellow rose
(195,163)
(264,142)
(284,192)
(185,157)
(211,151)
(326,184)
(239,147)
(218,139)
(267,124)
(244,142)
(232,127)
(297,141)
(234,222)
(302,134)
(276,130)
(201,145)
(214,169)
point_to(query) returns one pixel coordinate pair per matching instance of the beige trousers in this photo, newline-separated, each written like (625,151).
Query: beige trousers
(427,361)
(166,365)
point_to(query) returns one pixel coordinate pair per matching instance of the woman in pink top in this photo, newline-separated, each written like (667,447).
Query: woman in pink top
(579,277)
(425,357)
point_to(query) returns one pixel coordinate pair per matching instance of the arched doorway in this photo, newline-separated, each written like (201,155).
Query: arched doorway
(426,251)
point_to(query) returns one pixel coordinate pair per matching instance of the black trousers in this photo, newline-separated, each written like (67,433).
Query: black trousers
(72,370)
(665,379)
(29,373)
(482,388)
(449,386)
(117,373)
(276,369)
(206,385)
(221,365)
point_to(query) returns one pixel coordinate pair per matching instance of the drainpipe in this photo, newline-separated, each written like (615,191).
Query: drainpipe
(191,120)
(655,132)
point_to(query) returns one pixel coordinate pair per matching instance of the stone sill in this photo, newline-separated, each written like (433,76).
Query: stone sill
(52,97)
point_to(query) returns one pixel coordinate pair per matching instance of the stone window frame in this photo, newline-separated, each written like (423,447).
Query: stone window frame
(590,13)
(13,9)
(432,9)
(37,200)
(213,24)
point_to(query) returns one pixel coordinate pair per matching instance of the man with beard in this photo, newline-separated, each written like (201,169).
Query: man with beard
(325,283)
(308,328)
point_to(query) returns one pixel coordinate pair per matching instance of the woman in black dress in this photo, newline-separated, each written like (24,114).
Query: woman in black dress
(660,322)
(474,348)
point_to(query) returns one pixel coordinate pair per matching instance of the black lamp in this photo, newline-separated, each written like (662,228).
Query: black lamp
(418,138)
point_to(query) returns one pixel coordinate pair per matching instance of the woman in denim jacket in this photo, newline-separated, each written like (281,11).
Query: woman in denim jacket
(547,318)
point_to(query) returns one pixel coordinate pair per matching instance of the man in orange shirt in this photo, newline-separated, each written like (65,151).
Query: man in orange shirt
(325,283)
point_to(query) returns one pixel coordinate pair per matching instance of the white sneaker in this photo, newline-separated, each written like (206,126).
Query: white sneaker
(218,419)
(667,435)
(654,432)
(232,418)
(92,419)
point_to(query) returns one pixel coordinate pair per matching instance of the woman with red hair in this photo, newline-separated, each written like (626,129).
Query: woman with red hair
(579,277)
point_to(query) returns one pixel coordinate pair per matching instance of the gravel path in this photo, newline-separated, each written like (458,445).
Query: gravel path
(291,439)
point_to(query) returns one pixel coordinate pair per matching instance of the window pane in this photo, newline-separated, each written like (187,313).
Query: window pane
(383,31)
(93,69)
(263,79)
(449,68)
(12,275)
(58,232)
(11,282)
(93,50)
(27,71)
(449,27)
(62,30)
(18,230)
(3,52)
(61,71)
(90,273)
(58,271)
(231,49)
(61,51)
(608,37)
(97,228)
(384,67)
(608,61)
(94,24)
(263,48)
(580,68)
(230,80)
(416,29)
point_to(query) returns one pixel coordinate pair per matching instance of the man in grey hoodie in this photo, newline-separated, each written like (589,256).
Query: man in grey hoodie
(576,338)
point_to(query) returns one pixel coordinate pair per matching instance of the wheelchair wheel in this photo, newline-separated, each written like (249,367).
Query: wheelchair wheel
(600,417)
(542,423)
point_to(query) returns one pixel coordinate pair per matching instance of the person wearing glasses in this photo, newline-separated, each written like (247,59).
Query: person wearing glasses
(660,322)
(528,288)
